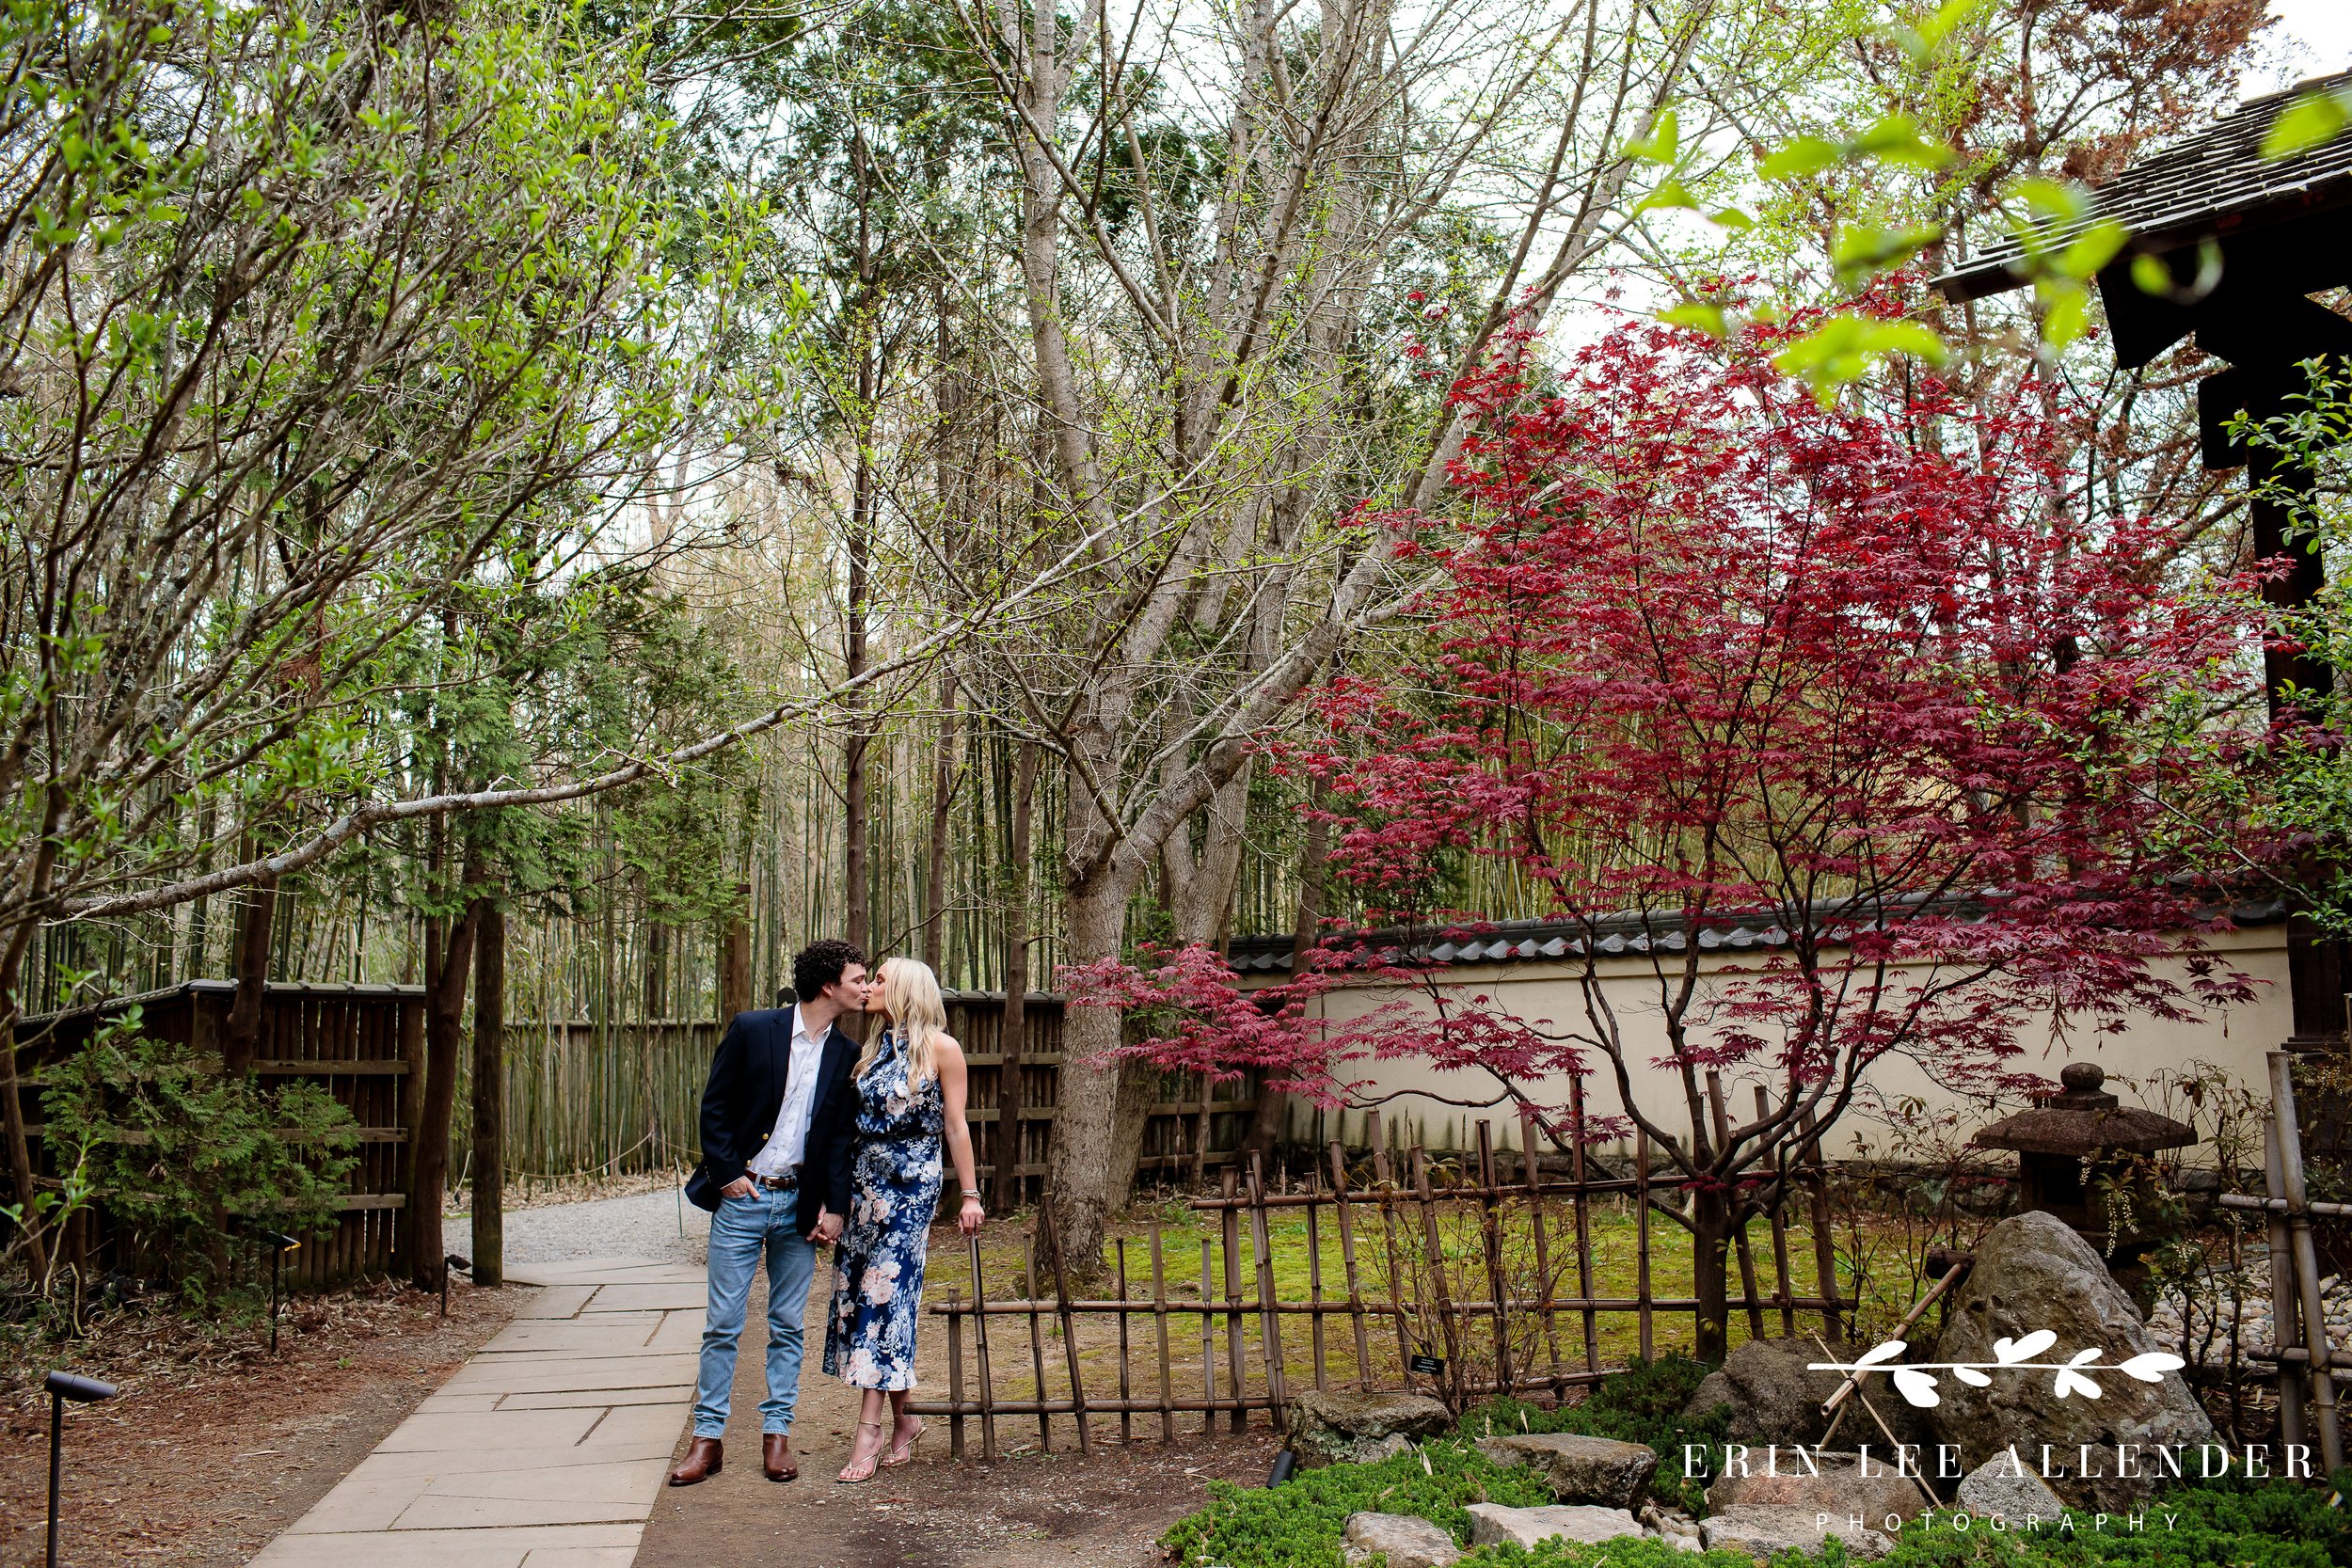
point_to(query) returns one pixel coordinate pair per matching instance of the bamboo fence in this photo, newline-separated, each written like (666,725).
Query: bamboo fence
(1480,1280)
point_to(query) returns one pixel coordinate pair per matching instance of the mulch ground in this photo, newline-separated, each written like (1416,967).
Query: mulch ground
(1030,1509)
(215,1446)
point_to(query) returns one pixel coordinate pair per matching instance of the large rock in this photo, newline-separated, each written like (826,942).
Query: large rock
(1763,1532)
(1402,1540)
(2032,1273)
(1837,1483)
(1355,1428)
(1493,1525)
(1776,1397)
(1580,1469)
(1998,1489)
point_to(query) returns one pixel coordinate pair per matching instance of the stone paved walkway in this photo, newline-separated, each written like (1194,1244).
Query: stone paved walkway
(546,1451)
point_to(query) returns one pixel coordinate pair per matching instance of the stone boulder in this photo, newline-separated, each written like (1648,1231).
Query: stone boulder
(1401,1540)
(1357,1429)
(1763,1532)
(1841,1486)
(2033,1273)
(1493,1525)
(1580,1469)
(1776,1398)
(2000,1489)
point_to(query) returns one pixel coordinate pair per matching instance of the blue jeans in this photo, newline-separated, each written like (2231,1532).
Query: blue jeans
(760,1223)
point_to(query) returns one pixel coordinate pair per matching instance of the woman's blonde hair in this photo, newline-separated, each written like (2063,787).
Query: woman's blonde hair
(909,994)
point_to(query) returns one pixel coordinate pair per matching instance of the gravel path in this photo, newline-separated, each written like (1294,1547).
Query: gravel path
(661,1226)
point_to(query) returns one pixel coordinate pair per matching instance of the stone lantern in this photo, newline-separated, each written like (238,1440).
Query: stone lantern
(2080,1124)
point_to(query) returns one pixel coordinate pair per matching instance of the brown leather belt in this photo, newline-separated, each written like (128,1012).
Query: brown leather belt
(776,1183)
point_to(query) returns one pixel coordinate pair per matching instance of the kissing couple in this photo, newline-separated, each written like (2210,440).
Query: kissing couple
(807,1141)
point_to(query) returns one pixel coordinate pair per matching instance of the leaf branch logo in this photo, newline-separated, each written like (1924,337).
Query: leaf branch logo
(1917,1383)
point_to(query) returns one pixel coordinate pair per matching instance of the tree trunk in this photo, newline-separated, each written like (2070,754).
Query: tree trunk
(489,1097)
(1710,1254)
(1084,1179)
(257,915)
(1265,1128)
(735,958)
(449,964)
(12,1101)
(1013,1033)
(943,808)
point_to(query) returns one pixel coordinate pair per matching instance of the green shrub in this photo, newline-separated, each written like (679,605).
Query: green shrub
(1641,1404)
(1297,1525)
(176,1151)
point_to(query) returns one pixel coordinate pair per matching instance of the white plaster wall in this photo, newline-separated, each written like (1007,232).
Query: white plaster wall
(2233,1042)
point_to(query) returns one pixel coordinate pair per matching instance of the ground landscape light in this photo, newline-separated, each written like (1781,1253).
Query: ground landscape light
(81,1390)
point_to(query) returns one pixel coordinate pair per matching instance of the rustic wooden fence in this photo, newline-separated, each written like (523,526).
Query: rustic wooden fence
(1460,1276)
(583,1096)
(2307,1371)
(362,1042)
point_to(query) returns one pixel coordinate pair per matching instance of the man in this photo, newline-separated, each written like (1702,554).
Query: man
(779,1118)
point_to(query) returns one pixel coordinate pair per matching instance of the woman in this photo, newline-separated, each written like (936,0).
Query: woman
(911,1087)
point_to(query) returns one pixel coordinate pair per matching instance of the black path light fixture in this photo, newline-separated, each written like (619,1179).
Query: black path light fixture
(2227,246)
(280,1243)
(63,1387)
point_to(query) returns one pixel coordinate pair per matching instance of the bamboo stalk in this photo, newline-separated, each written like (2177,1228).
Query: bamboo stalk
(1435,1251)
(1347,1259)
(1583,1221)
(1779,1224)
(2290,1138)
(1315,1294)
(1269,1323)
(2286,1310)
(1159,1324)
(1531,1171)
(1037,1336)
(1490,1236)
(1069,1324)
(1231,1237)
(1824,1245)
(1388,1237)
(1126,1421)
(1641,1235)
(954,1373)
(1739,1247)
(979,1344)
(1208,1337)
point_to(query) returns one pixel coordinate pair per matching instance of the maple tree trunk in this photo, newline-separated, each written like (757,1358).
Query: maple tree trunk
(1711,1271)
(11,1098)
(1084,1179)
(489,1097)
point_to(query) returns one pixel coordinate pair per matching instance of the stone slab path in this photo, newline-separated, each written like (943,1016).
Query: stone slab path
(546,1449)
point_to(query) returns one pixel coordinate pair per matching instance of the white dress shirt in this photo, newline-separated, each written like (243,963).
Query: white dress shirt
(788,1142)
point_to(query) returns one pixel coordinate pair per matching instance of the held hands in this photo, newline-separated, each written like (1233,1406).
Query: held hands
(828,1228)
(968,1219)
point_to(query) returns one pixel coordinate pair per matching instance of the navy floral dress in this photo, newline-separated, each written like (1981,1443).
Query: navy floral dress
(894,1195)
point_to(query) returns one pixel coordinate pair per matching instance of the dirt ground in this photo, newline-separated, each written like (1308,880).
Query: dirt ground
(215,1447)
(1028,1510)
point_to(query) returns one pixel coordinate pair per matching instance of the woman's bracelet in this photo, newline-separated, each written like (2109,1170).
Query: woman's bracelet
(971,1192)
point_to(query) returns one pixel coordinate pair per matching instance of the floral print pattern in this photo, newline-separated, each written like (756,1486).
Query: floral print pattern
(894,1192)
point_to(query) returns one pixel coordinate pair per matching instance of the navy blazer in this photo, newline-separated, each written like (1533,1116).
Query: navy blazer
(745,1095)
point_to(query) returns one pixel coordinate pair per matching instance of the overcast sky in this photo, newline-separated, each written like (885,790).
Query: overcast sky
(2318,41)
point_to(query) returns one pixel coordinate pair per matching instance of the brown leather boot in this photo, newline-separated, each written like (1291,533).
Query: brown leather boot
(776,1457)
(701,1462)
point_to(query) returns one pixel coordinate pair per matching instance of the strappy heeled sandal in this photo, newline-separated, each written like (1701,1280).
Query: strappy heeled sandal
(850,1475)
(905,1452)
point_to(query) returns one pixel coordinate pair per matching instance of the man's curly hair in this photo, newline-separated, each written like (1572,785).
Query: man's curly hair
(821,963)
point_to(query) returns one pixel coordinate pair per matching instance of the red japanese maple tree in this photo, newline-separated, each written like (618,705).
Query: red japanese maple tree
(1700,654)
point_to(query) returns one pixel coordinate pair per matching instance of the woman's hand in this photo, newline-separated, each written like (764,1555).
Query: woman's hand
(968,1219)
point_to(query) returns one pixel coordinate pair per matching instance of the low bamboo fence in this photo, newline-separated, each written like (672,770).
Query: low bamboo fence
(1481,1280)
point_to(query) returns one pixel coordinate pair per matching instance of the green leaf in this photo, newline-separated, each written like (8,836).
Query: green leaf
(2312,120)
(1670,194)
(1896,139)
(1731,218)
(2052,201)
(1799,158)
(2151,275)
(1699,316)
(1660,145)
(1863,251)
(2065,310)
(2094,248)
